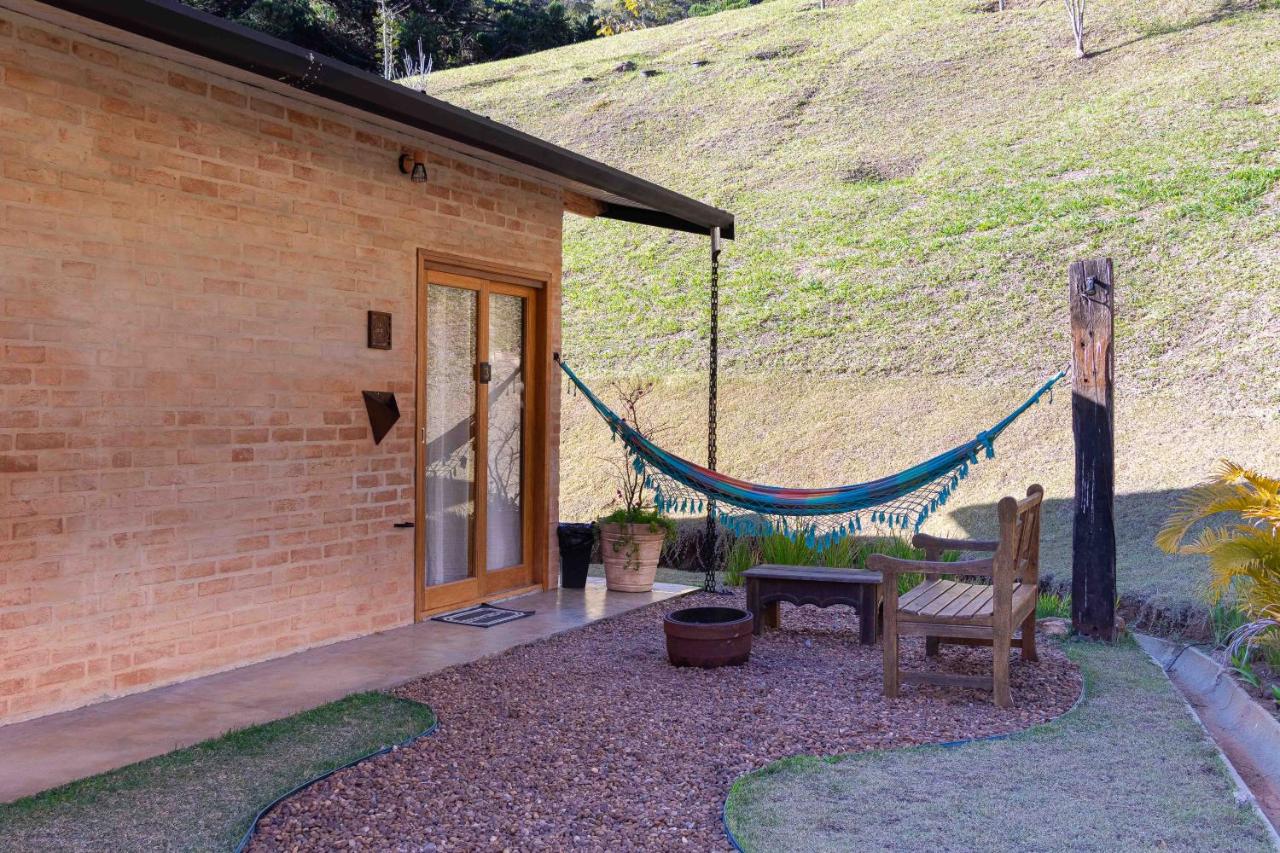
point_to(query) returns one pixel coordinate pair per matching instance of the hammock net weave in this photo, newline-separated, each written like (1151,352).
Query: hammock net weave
(901,501)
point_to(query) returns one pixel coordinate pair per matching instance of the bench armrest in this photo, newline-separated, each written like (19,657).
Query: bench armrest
(924,540)
(887,565)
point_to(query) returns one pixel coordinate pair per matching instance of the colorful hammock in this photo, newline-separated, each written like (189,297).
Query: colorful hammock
(821,516)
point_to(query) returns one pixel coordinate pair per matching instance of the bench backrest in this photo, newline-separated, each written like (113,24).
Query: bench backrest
(1017,557)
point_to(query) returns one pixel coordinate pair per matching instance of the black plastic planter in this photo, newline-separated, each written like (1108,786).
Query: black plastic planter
(576,542)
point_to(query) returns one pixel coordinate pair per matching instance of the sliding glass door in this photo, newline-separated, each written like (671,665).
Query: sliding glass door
(474,531)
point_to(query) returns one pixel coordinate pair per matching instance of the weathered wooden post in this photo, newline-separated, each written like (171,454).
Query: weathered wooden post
(1093,541)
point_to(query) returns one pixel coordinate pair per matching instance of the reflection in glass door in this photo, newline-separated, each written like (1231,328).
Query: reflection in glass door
(450,437)
(475,535)
(504,518)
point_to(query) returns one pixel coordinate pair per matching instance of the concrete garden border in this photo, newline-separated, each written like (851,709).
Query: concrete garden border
(1245,734)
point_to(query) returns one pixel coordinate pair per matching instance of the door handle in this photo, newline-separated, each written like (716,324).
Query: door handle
(404,525)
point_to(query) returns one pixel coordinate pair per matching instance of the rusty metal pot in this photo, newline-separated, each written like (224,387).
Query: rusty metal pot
(708,636)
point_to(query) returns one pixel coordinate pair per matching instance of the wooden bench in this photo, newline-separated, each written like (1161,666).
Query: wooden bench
(967,613)
(768,585)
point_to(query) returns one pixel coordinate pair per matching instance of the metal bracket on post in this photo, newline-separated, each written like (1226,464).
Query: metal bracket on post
(709,556)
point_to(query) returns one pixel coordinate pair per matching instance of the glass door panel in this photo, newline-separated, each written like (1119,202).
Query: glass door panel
(475,538)
(504,517)
(449,460)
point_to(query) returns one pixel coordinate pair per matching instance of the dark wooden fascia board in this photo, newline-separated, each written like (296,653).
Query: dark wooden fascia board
(188,29)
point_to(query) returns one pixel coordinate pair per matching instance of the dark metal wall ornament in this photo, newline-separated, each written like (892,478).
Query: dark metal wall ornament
(379,330)
(383,412)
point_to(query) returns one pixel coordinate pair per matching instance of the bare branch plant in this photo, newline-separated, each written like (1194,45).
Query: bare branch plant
(1075,11)
(387,19)
(420,67)
(631,489)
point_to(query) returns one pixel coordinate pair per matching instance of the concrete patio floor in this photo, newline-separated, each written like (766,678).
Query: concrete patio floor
(61,748)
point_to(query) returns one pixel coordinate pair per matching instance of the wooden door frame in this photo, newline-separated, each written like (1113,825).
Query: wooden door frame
(536,463)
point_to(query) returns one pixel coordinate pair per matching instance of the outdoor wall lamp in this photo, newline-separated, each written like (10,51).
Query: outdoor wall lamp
(415,169)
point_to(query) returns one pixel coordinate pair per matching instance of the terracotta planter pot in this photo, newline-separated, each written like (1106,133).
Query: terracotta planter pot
(630,553)
(708,636)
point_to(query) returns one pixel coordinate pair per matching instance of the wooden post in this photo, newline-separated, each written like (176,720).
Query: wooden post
(1093,541)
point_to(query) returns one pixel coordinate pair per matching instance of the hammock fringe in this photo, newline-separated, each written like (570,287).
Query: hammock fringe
(820,517)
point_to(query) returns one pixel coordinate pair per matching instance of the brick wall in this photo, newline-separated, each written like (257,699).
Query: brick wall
(187,481)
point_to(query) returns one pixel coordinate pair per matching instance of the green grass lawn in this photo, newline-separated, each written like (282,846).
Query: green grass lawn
(204,797)
(1127,770)
(664,575)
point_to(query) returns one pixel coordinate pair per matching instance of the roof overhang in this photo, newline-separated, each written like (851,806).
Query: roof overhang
(275,63)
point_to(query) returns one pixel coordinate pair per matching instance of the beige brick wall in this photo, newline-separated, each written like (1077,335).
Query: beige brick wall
(187,481)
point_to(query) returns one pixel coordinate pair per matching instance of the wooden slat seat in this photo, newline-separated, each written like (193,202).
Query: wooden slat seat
(945,610)
(957,603)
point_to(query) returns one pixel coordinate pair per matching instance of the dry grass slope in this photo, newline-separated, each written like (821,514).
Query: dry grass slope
(805,430)
(911,178)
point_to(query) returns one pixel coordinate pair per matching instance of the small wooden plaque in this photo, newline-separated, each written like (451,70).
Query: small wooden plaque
(379,330)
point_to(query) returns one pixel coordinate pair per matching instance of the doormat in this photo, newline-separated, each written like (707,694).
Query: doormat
(483,616)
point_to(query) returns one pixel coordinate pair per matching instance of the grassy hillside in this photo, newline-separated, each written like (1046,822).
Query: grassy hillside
(911,178)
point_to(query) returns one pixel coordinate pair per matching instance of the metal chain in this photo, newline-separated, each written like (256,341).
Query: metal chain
(709,554)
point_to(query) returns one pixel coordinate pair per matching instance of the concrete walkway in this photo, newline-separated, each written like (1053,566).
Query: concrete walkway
(60,748)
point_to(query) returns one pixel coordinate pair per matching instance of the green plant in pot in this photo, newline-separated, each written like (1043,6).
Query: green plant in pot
(632,536)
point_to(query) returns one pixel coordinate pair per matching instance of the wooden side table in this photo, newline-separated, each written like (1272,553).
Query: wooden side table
(768,585)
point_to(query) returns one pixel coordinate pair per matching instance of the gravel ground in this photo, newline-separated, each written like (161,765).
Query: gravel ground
(590,740)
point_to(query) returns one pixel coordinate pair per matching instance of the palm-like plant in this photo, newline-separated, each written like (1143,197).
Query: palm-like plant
(1244,553)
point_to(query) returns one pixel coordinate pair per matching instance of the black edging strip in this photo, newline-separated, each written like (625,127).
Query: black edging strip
(253,825)
(951,744)
(724,819)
